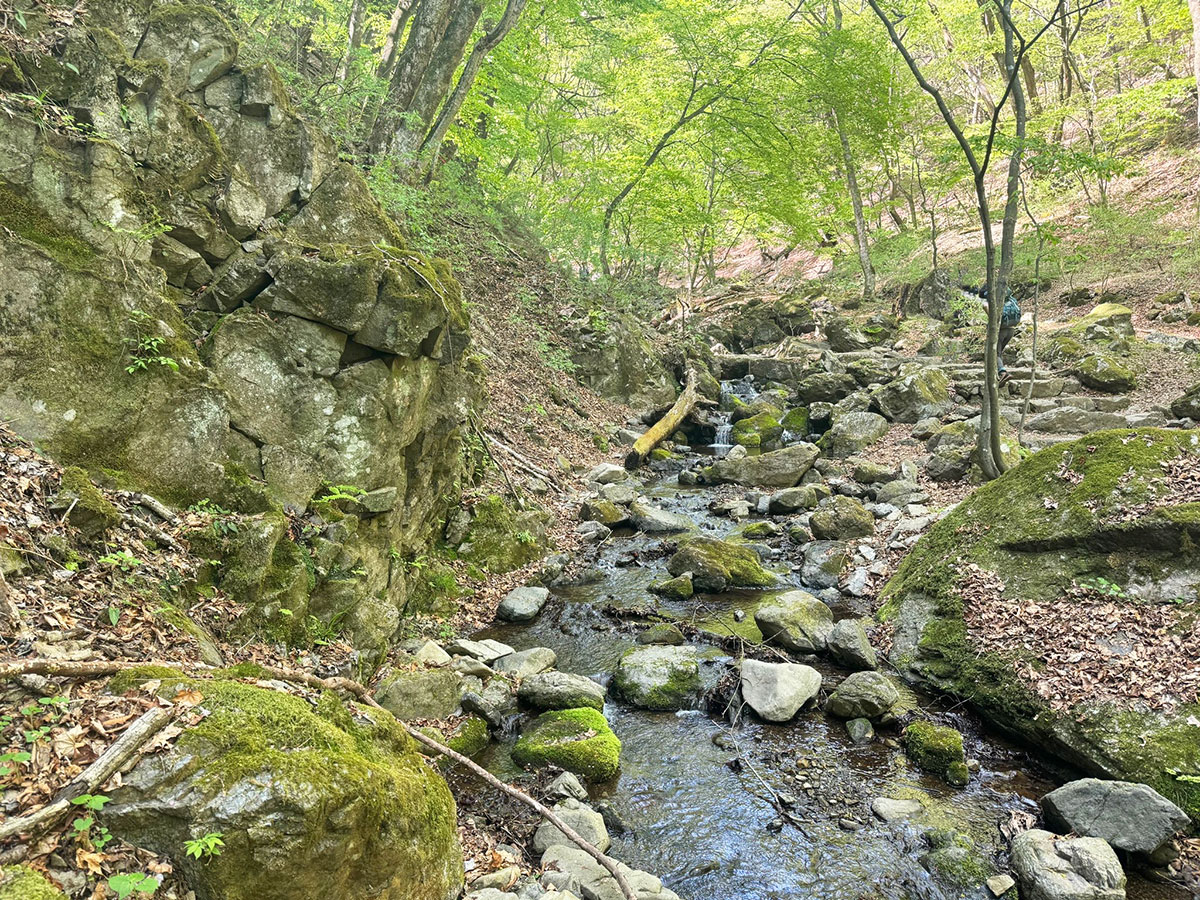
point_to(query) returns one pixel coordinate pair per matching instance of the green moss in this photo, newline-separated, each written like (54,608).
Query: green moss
(128,679)
(658,454)
(503,538)
(22,883)
(708,558)
(470,737)
(796,420)
(578,740)
(20,216)
(937,749)
(763,428)
(246,670)
(88,497)
(757,531)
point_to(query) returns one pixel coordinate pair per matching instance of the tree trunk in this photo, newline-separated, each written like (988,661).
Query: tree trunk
(1194,6)
(436,81)
(666,426)
(391,43)
(432,144)
(860,222)
(429,24)
(354,27)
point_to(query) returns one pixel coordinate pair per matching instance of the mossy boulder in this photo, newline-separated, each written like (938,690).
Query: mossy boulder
(1104,372)
(778,468)
(502,538)
(1188,406)
(795,421)
(83,505)
(1103,507)
(937,749)
(852,432)
(678,588)
(578,740)
(762,430)
(469,737)
(796,620)
(718,565)
(1112,316)
(919,392)
(842,519)
(22,883)
(313,801)
(658,677)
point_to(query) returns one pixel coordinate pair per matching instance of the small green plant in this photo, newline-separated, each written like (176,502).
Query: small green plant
(1183,777)
(122,559)
(524,537)
(84,825)
(224,521)
(145,348)
(205,846)
(340,492)
(19,757)
(131,882)
(1105,587)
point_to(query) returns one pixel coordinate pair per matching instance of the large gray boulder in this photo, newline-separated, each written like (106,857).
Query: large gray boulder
(777,691)
(796,620)
(596,882)
(848,644)
(779,468)
(421,694)
(578,816)
(1129,816)
(852,432)
(560,690)
(863,695)
(658,677)
(918,393)
(823,563)
(524,663)
(1073,420)
(522,604)
(1052,868)
(841,519)
(652,520)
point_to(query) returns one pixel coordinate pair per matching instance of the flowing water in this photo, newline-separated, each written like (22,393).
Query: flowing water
(705,827)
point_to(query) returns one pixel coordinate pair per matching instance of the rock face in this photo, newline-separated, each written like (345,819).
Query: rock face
(1131,817)
(777,691)
(796,620)
(779,468)
(1118,512)
(1053,868)
(306,344)
(864,695)
(299,794)
(658,677)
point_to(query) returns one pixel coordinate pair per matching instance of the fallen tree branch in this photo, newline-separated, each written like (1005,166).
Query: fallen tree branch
(499,465)
(151,529)
(128,745)
(666,426)
(524,463)
(354,688)
(155,506)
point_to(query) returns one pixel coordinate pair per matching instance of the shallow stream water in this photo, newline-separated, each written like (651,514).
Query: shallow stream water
(705,827)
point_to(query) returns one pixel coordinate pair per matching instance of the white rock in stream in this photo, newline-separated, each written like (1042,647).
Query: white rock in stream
(777,691)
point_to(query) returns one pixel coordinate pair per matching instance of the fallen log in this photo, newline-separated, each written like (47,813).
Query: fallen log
(666,426)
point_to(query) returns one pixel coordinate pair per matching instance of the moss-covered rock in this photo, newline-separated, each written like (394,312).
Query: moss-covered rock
(469,737)
(83,504)
(920,391)
(853,431)
(1105,506)
(717,565)
(762,430)
(937,749)
(658,677)
(679,588)
(603,511)
(578,740)
(1104,372)
(842,519)
(316,801)
(503,538)
(22,883)
(1188,405)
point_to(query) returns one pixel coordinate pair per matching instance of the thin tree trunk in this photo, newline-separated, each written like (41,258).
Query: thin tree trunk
(436,82)
(429,24)
(391,43)
(432,144)
(1194,7)
(354,26)
(860,222)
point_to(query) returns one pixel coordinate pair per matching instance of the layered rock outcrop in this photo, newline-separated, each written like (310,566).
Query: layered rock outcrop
(199,300)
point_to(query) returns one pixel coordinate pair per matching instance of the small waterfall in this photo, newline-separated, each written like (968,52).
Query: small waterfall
(724,436)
